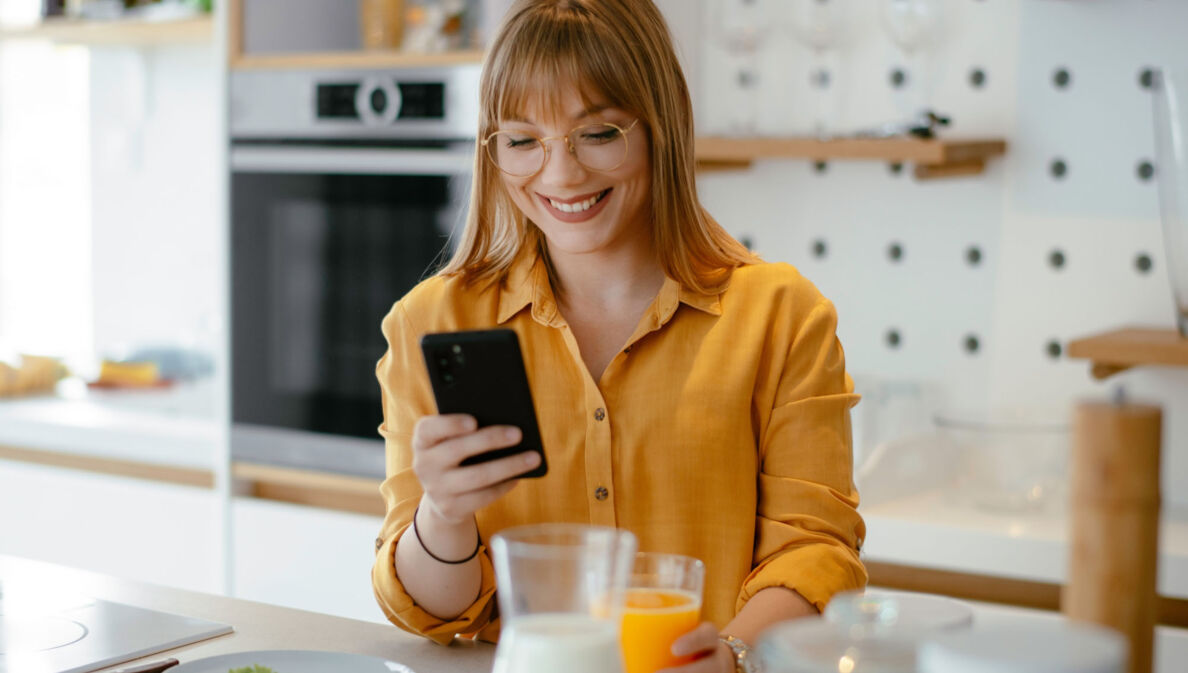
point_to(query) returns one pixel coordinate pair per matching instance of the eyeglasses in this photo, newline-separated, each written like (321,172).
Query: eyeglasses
(598,147)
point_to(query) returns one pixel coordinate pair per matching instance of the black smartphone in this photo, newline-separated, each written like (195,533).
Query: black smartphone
(481,373)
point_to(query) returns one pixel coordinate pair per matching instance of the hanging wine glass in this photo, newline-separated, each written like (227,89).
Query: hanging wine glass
(818,24)
(741,26)
(912,25)
(1170,106)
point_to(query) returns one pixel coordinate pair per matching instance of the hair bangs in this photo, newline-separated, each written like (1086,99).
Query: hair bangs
(547,54)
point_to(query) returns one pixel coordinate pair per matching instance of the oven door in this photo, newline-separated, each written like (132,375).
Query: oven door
(324,241)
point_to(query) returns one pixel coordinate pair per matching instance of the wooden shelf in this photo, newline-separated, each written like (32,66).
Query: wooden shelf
(353,59)
(1121,349)
(131,32)
(932,158)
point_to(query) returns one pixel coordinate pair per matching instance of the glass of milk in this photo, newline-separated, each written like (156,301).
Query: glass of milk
(561,589)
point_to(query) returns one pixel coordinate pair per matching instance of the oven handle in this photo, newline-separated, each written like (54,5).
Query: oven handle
(351,160)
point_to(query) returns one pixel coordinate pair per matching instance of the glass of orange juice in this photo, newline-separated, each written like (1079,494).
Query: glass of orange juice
(663,603)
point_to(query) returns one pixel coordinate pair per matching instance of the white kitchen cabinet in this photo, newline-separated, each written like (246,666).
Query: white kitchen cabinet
(304,557)
(151,531)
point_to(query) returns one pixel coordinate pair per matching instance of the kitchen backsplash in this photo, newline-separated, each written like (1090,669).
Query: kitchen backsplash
(976,284)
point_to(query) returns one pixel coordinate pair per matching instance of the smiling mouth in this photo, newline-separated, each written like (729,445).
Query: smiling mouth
(579,206)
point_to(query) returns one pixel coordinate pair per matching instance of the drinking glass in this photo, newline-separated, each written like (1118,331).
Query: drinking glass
(1171,157)
(561,590)
(663,603)
(818,24)
(741,26)
(912,25)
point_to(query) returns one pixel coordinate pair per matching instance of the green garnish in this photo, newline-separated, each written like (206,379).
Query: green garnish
(254,668)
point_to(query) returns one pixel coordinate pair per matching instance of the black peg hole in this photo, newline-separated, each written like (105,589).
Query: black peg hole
(821,79)
(1062,78)
(1143,263)
(973,255)
(1054,349)
(1146,78)
(820,249)
(893,338)
(899,78)
(1058,168)
(820,166)
(896,167)
(1056,259)
(895,252)
(972,344)
(746,79)
(1145,170)
(977,78)
(747,242)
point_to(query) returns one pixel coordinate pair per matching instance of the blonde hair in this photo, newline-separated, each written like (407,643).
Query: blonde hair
(621,51)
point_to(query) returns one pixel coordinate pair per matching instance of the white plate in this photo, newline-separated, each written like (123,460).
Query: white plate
(293,661)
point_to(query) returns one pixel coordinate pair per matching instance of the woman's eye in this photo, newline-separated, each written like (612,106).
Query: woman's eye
(600,135)
(520,143)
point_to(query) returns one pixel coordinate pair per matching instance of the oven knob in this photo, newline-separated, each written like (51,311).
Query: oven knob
(377,101)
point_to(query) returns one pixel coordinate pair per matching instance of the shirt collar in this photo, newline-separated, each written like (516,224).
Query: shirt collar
(527,283)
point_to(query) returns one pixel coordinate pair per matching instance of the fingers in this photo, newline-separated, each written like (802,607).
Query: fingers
(441,443)
(460,492)
(453,438)
(713,656)
(482,475)
(700,639)
(432,430)
(462,507)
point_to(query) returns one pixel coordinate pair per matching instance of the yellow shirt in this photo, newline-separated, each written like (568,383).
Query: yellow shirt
(720,431)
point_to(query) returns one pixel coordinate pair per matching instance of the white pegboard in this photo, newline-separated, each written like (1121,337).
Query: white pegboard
(1100,217)
(1100,122)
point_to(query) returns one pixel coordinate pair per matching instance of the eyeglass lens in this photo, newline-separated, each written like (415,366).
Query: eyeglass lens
(599,147)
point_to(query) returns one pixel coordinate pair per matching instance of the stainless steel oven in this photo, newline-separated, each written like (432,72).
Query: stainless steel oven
(345,189)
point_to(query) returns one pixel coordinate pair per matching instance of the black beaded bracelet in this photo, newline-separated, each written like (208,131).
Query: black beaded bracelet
(478,543)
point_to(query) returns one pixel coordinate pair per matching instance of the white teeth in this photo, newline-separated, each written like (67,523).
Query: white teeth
(578,207)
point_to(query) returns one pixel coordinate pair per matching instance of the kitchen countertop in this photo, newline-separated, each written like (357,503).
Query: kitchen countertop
(930,530)
(259,626)
(174,426)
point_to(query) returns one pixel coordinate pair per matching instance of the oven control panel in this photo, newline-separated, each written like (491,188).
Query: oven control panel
(395,104)
(380,101)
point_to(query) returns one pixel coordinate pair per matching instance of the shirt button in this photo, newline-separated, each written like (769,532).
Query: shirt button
(599,414)
(379,542)
(601,493)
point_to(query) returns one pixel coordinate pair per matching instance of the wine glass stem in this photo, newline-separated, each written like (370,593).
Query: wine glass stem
(823,84)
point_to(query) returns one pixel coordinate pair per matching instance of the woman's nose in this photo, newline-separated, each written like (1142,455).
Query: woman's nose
(561,165)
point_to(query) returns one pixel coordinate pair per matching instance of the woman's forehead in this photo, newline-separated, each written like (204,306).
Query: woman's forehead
(554,102)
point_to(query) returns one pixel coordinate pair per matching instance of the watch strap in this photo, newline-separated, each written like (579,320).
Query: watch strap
(744,660)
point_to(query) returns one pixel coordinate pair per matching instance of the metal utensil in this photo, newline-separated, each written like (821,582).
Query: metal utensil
(151,667)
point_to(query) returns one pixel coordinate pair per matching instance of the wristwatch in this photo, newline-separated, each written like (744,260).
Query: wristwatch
(744,662)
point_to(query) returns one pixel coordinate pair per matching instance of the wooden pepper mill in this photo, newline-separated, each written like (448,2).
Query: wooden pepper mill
(1114,516)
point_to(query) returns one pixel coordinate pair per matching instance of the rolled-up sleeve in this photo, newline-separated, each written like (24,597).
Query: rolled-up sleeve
(406,398)
(808,530)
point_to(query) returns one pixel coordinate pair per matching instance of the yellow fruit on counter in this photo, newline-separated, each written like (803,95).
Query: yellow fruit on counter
(129,373)
(36,374)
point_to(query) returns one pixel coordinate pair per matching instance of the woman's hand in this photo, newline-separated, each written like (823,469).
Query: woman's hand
(454,492)
(712,655)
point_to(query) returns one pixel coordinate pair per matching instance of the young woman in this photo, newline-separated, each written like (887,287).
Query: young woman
(685,390)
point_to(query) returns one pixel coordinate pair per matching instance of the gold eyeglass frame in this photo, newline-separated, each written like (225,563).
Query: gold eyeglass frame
(568,145)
